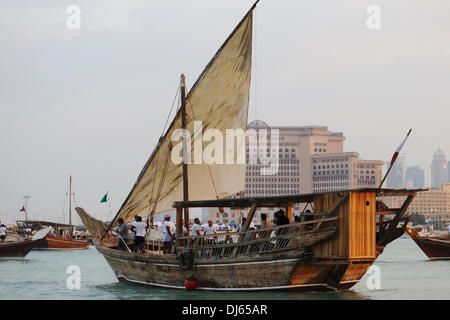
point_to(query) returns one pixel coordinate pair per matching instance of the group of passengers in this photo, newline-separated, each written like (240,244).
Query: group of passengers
(137,231)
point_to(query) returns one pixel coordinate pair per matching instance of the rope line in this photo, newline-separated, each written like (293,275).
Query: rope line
(209,168)
(159,142)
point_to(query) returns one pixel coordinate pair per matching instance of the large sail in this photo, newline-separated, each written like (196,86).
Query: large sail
(219,99)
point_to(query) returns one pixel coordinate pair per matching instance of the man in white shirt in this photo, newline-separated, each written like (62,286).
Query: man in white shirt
(210,228)
(139,228)
(3,233)
(195,230)
(168,235)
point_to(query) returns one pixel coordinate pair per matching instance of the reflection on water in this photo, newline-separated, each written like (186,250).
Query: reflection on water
(406,273)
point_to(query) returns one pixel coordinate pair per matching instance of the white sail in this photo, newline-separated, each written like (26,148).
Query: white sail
(219,99)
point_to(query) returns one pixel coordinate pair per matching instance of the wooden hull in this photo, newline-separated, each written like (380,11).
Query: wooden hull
(435,249)
(332,255)
(54,243)
(289,271)
(16,250)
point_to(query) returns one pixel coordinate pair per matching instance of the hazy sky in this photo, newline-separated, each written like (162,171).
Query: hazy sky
(91,103)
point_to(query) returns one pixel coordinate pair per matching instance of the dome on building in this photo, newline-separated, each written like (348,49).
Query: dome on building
(257,124)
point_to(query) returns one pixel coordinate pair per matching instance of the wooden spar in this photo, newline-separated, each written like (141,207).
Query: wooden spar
(179,226)
(394,222)
(387,173)
(249,219)
(185,160)
(70,200)
(395,159)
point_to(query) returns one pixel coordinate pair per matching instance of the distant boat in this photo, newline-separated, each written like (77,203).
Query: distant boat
(19,249)
(435,247)
(62,237)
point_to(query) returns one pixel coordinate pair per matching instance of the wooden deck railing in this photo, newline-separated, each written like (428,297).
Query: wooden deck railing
(255,241)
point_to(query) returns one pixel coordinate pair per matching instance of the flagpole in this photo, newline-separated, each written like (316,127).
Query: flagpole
(395,159)
(26,206)
(387,173)
(109,204)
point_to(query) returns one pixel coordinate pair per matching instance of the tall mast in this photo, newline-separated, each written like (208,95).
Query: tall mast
(26,206)
(70,200)
(185,153)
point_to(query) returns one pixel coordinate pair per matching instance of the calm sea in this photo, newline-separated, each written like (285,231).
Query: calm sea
(405,273)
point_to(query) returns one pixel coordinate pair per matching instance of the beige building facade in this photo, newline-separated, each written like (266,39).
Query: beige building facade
(434,204)
(311,159)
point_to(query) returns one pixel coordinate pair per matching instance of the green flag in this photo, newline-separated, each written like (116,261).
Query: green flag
(104,199)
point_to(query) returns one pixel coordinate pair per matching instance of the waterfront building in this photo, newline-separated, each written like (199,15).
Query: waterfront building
(311,159)
(434,204)
(448,171)
(439,169)
(415,177)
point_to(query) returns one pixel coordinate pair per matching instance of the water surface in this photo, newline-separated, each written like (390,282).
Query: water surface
(406,273)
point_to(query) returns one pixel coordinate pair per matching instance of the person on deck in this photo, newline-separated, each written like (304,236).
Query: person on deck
(308,217)
(281,218)
(240,227)
(168,236)
(123,234)
(195,230)
(3,233)
(264,225)
(210,228)
(139,228)
(264,222)
(185,231)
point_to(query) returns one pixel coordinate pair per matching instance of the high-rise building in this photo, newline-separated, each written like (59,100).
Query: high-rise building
(395,179)
(415,177)
(439,169)
(311,159)
(448,173)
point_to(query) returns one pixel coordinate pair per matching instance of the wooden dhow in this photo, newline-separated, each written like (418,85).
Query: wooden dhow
(435,247)
(330,249)
(19,249)
(62,236)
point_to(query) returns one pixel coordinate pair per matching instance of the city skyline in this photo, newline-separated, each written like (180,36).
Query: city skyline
(92,103)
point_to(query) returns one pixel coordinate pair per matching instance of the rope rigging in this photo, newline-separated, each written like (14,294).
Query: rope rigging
(209,168)
(61,215)
(150,214)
